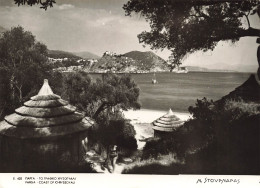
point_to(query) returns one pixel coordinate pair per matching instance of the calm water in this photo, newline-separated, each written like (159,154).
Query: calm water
(179,91)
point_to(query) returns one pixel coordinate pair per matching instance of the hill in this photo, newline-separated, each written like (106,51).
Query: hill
(132,62)
(62,54)
(249,91)
(113,63)
(86,55)
(147,61)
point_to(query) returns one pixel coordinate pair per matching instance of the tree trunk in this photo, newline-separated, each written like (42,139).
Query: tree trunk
(99,110)
(258,58)
(20,94)
(12,87)
(2,111)
(19,88)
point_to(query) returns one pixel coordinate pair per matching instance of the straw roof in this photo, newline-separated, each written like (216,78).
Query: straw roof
(45,115)
(167,123)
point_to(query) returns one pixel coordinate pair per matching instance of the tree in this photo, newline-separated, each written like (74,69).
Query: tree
(111,93)
(44,3)
(118,132)
(22,67)
(191,25)
(115,92)
(103,99)
(78,90)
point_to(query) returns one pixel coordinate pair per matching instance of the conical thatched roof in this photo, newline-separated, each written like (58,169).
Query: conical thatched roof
(167,123)
(45,115)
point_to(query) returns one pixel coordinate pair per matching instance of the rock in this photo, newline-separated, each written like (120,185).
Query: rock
(91,153)
(127,160)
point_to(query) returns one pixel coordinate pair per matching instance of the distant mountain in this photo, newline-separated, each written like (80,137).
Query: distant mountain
(86,55)
(220,70)
(147,60)
(62,54)
(202,69)
(197,69)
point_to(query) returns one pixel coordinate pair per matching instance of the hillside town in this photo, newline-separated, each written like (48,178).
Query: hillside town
(114,63)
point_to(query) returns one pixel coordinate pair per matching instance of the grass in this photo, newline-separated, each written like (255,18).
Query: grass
(162,165)
(250,108)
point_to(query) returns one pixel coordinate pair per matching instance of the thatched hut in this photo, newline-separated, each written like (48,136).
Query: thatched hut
(166,124)
(43,135)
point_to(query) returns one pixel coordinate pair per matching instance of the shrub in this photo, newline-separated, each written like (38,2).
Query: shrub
(117,132)
(164,164)
(221,139)
(156,147)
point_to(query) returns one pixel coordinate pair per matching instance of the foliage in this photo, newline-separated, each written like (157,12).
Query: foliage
(22,67)
(117,132)
(163,164)
(44,3)
(115,93)
(226,142)
(109,95)
(191,25)
(78,88)
(228,109)
(194,134)
(202,110)
(104,99)
(157,147)
(235,148)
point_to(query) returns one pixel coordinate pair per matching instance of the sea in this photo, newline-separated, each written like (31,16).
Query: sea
(179,91)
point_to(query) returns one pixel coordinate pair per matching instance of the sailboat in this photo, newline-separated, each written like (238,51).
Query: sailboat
(154,81)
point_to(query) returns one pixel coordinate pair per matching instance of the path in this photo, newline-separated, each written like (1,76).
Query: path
(98,163)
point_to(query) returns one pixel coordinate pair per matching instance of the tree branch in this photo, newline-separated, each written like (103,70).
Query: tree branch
(213,2)
(197,16)
(201,14)
(100,109)
(248,22)
(250,32)
(19,88)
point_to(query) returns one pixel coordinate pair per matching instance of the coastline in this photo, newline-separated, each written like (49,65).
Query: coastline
(148,116)
(142,119)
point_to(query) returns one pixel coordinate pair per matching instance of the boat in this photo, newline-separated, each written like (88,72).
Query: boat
(154,81)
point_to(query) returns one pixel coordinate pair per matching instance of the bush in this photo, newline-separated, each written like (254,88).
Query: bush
(156,147)
(164,164)
(226,142)
(203,110)
(117,132)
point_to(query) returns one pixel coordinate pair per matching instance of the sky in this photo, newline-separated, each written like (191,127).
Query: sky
(101,25)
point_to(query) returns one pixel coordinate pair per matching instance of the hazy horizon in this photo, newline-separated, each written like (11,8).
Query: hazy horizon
(97,26)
